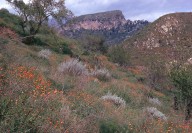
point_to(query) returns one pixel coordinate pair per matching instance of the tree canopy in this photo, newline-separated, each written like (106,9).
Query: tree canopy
(36,12)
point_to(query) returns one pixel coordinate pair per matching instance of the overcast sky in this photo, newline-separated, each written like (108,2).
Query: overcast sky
(132,9)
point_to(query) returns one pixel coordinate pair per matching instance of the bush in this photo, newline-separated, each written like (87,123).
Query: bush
(50,39)
(182,78)
(45,53)
(93,43)
(155,101)
(73,67)
(118,101)
(156,113)
(3,40)
(112,127)
(119,55)
(102,74)
(10,21)
(66,50)
(156,73)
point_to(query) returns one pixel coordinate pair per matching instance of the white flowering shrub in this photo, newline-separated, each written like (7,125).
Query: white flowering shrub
(155,101)
(73,67)
(156,113)
(102,74)
(189,61)
(114,99)
(45,53)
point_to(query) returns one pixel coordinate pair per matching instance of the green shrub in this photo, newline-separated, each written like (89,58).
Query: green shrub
(119,55)
(111,126)
(141,78)
(52,41)
(93,43)
(182,78)
(34,40)
(17,123)
(66,50)
(10,21)
(156,72)
(3,41)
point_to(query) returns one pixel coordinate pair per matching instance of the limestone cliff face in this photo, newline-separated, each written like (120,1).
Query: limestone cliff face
(98,21)
(111,25)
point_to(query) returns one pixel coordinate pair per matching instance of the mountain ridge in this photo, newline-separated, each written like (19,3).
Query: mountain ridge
(112,25)
(167,36)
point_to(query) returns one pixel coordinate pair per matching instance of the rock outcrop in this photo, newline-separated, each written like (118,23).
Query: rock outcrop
(169,37)
(112,25)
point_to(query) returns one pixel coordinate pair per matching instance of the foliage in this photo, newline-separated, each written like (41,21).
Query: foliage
(112,127)
(29,104)
(155,101)
(119,55)
(52,40)
(10,21)
(3,41)
(45,53)
(102,74)
(93,43)
(156,73)
(65,49)
(182,78)
(36,12)
(156,113)
(114,99)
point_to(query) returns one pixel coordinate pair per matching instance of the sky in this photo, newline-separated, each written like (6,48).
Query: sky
(132,9)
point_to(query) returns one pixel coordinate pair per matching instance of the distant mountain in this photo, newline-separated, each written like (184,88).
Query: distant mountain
(170,37)
(112,25)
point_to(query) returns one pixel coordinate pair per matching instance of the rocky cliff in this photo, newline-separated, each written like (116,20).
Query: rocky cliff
(112,25)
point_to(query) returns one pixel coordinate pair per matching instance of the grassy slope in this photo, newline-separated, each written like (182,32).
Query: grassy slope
(78,98)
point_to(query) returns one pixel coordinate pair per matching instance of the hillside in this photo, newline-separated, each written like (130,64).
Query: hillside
(111,25)
(45,88)
(169,37)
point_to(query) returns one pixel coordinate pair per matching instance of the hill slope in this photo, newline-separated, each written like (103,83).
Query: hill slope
(169,36)
(44,90)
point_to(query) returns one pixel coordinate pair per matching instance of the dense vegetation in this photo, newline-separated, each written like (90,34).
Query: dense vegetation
(51,85)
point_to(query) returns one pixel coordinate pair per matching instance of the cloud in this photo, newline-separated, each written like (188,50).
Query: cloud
(80,7)
(4,4)
(148,16)
(132,9)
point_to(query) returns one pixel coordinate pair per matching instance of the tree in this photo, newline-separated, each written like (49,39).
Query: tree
(94,43)
(156,72)
(182,79)
(36,12)
(119,55)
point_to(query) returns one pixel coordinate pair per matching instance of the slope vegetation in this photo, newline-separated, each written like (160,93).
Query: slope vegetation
(45,90)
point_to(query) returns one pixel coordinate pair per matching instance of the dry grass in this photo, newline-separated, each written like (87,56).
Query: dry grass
(78,107)
(73,67)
